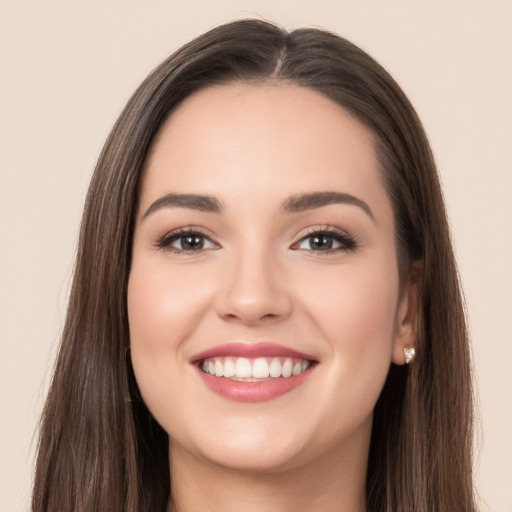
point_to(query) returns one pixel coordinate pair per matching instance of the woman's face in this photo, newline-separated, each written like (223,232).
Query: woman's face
(263,298)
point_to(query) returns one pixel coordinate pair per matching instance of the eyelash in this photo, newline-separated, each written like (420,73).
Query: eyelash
(166,241)
(346,241)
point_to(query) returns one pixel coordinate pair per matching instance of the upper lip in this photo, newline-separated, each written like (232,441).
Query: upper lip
(250,350)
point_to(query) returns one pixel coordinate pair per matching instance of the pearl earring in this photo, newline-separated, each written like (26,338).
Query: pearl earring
(409,353)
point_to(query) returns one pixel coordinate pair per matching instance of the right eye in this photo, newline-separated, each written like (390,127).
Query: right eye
(186,241)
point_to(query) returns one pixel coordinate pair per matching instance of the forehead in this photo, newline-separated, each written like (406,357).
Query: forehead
(276,139)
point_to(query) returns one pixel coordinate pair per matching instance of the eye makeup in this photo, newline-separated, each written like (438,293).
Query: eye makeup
(185,240)
(323,240)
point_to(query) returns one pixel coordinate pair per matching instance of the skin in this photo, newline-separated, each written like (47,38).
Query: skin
(256,278)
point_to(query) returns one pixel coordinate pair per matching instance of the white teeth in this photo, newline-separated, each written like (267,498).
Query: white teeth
(229,367)
(260,368)
(276,368)
(240,368)
(243,368)
(287,368)
(219,369)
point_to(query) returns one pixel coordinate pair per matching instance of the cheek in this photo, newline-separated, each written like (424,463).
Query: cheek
(355,312)
(355,315)
(162,311)
(162,305)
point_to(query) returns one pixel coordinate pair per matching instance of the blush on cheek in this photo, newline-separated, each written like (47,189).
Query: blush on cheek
(356,308)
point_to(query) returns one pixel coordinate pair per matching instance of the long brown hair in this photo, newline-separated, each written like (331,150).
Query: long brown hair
(100,450)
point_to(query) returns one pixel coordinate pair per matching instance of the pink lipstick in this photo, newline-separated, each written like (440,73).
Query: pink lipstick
(252,372)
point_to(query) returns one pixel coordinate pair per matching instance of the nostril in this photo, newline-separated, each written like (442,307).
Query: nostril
(253,295)
(248,319)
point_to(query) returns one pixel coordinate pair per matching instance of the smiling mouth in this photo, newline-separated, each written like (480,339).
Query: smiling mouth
(253,372)
(258,369)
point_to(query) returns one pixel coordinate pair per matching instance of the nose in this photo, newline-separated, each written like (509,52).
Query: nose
(254,291)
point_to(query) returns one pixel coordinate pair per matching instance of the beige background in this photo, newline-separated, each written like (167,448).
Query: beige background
(66,70)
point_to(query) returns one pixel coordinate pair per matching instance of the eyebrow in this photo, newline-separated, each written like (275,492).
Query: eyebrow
(294,204)
(193,201)
(310,201)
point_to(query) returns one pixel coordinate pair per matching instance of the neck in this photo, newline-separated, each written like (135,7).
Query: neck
(336,483)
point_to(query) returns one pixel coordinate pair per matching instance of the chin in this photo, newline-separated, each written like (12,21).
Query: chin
(254,459)
(255,449)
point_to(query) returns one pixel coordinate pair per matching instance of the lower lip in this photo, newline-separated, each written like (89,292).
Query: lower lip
(243,391)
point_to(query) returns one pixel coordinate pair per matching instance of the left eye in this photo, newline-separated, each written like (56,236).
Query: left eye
(325,242)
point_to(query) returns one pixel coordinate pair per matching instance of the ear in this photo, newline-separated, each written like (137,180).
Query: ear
(408,314)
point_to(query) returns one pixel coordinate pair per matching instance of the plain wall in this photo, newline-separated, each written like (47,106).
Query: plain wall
(66,70)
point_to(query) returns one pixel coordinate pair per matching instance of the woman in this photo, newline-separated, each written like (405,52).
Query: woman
(263,249)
